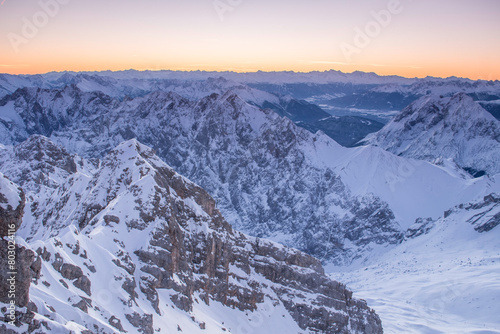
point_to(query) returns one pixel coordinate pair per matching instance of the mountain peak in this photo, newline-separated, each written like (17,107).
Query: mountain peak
(157,247)
(433,128)
(132,147)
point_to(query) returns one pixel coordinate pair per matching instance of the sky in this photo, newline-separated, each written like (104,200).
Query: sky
(411,38)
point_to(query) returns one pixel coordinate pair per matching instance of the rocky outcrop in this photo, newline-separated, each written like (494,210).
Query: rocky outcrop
(16,280)
(40,150)
(483,215)
(487,213)
(18,265)
(73,273)
(144,324)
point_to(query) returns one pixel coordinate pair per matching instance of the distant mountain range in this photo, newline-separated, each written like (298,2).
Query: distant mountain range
(364,96)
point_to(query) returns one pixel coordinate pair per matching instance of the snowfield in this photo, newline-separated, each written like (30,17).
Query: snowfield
(445,281)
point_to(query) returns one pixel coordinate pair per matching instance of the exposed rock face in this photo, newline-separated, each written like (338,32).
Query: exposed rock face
(421,226)
(143,324)
(26,268)
(40,167)
(18,265)
(75,274)
(70,271)
(483,215)
(488,213)
(165,243)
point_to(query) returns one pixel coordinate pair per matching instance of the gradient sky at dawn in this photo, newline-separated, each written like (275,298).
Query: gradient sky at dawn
(438,38)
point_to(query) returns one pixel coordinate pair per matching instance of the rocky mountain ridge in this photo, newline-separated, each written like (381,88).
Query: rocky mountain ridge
(231,148)
(132,246)
(437,127)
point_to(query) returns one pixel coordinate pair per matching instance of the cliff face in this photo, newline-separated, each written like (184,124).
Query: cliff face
(135,247)
(18,265)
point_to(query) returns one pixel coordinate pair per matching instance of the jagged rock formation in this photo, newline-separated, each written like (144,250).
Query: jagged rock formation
(165,248)
(483,215)
(40,167)
(434,128)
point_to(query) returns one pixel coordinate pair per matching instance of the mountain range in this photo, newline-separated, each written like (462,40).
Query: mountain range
(90,153)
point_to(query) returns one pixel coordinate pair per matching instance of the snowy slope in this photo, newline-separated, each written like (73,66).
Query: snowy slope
(10,195)
(435,127)
(411,188)
(442,279)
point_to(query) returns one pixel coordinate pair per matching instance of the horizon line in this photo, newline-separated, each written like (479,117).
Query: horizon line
(253,72)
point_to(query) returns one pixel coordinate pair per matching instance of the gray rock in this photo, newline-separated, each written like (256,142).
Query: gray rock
(116,323)
(83,283)
(70,271)
(144,323)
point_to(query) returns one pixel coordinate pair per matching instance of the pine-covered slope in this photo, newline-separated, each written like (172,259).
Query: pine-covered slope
(435,128)
(132,246)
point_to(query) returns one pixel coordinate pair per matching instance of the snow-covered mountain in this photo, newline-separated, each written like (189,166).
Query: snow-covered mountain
(134,247)
(359,95)
(301,112)
(271,178)
(254,162)
(94,197)
(134,82)
(437,128)
(351,94)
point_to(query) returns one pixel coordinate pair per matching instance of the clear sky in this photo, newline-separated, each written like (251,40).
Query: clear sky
(405,37)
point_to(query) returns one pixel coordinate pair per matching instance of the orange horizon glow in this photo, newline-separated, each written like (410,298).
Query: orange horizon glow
(452,38)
